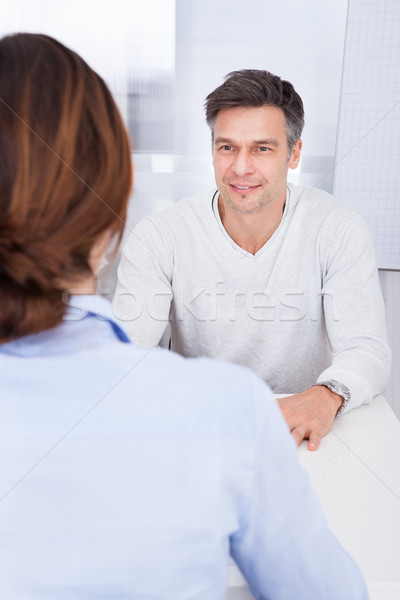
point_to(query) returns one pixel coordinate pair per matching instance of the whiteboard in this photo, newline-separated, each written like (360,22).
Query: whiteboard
(367,164)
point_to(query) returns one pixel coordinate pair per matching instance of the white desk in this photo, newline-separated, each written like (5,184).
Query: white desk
(356,475)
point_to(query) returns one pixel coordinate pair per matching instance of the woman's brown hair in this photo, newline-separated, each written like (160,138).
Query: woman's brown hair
(65,177)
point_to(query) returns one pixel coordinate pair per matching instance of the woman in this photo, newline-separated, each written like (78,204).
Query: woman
(124,473)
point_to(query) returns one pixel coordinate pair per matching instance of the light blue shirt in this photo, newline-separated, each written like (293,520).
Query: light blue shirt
(129,473)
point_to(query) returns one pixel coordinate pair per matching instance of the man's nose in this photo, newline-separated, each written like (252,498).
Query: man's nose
(243,163)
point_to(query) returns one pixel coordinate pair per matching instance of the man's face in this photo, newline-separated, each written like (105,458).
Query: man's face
(250,157)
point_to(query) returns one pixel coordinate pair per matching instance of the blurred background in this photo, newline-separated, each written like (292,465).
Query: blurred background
(161,58)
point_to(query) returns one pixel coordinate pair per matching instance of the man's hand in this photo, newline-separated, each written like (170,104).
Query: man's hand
(310,415)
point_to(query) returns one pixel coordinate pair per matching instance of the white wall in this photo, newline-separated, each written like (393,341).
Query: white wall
(390,284)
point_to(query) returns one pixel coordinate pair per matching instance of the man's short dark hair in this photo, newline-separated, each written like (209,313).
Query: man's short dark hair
(253,88)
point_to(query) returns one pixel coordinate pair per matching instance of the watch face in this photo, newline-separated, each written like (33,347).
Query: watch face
(339,388)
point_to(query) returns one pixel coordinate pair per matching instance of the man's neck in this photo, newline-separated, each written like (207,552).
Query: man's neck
(251,231)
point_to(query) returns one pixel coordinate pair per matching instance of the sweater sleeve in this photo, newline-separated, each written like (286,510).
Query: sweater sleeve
(355,314)
(284,546)
(143,294)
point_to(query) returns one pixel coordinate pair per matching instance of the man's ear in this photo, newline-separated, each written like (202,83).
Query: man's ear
(295,156)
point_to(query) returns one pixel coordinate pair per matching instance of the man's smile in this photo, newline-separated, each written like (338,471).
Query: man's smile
(244,189)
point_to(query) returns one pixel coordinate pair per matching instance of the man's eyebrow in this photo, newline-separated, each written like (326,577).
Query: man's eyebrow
(222,140)
(264,142)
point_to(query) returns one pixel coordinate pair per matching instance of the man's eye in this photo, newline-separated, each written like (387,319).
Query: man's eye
(262,149)
(225,147)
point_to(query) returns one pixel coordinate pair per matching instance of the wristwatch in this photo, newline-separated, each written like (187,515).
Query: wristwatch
(340,389)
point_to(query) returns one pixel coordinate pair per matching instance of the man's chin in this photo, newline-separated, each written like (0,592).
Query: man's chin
(244,206)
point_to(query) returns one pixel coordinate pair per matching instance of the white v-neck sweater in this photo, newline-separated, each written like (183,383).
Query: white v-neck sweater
(306,308)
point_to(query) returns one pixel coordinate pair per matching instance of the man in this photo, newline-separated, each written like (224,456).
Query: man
(278,277)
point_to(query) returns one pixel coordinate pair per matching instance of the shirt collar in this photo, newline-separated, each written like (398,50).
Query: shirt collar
(88,312)
(93,305)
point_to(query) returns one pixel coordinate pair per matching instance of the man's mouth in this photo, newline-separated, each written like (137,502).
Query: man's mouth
(243,189)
